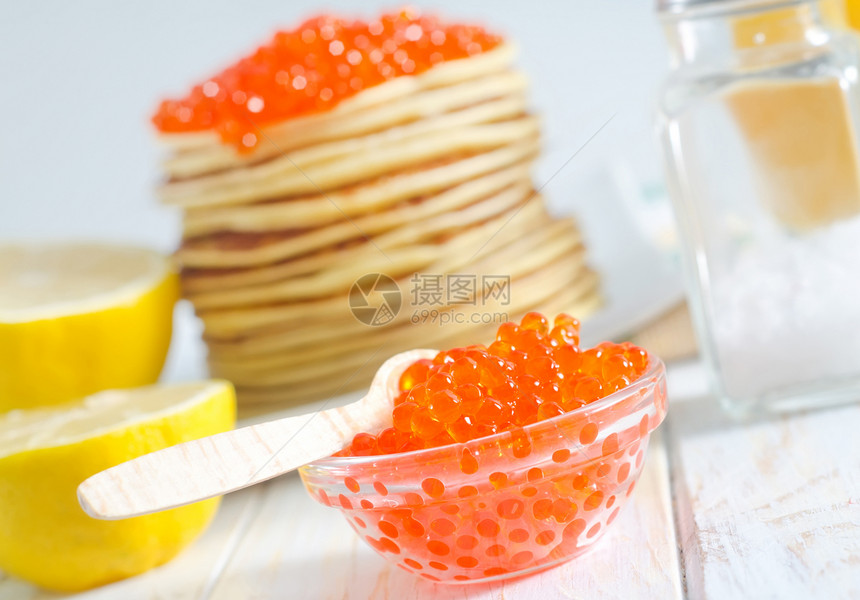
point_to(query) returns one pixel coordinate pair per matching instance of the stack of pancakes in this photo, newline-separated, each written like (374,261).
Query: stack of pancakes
(416,178)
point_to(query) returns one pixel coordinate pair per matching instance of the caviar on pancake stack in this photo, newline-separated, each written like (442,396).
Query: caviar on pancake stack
(400,146)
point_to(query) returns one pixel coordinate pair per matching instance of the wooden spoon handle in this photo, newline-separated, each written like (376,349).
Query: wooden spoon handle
(233,460)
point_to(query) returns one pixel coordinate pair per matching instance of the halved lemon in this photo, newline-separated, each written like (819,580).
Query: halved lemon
(77,318)
(45,537)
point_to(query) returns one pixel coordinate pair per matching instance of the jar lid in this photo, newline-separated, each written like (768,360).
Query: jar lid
(680,6)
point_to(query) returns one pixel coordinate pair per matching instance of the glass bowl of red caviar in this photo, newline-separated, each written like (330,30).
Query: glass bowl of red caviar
(532,495)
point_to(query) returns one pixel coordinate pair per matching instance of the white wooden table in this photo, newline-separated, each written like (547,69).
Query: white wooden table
(723,510)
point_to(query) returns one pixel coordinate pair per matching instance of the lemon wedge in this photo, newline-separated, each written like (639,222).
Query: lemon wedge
(45,537)
(77,318)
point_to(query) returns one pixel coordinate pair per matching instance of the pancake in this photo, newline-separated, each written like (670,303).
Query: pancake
(253,249)
(284,176)
(241,321)
(243,249)
(266,397)
(496,110)
(292,326)
(200,280)
(294,368)
(415,222)
(405,332)
(367,197)
(257,401)
(506,88)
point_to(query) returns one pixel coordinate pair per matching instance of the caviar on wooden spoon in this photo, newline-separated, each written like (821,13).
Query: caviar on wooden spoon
(531,372)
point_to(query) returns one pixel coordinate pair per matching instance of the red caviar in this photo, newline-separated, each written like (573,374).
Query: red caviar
(530,373)
(314,67)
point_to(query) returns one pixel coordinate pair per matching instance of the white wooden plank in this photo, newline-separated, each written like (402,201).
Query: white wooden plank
(769,509)
(297,548)
(185,577)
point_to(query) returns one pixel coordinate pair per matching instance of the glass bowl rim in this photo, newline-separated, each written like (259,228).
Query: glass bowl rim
(655,368)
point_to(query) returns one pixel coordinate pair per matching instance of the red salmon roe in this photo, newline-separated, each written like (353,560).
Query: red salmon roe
(533,371)
(314,67)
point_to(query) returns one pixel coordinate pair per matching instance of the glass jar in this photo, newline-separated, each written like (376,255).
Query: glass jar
(759,125)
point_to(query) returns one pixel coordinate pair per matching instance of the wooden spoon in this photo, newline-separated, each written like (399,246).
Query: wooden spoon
(230,461)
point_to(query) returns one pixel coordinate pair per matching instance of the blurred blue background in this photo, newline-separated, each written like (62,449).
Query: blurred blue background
(78,157)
